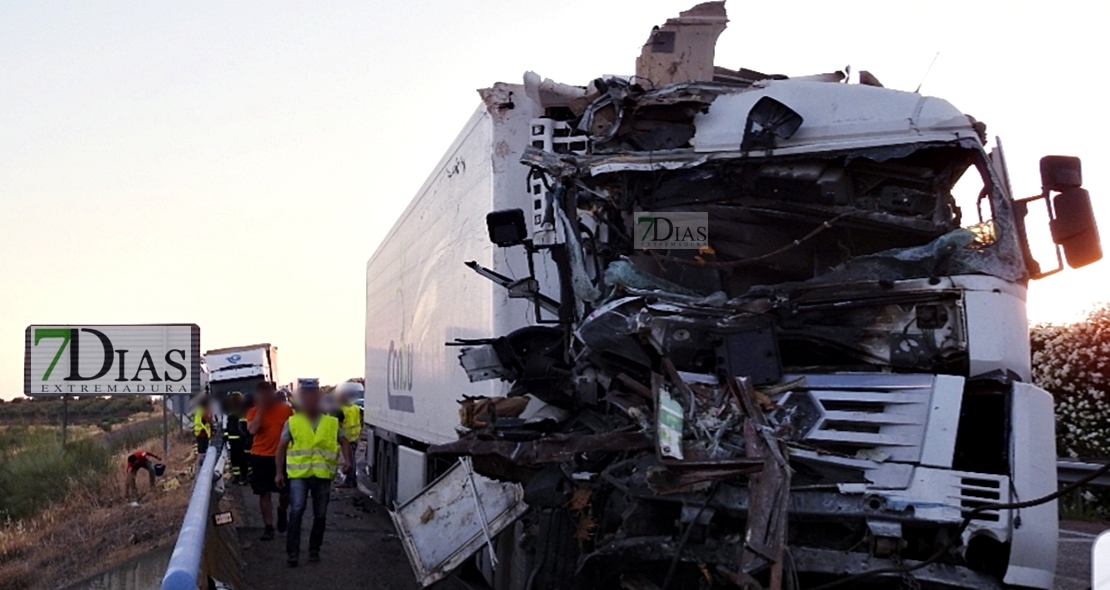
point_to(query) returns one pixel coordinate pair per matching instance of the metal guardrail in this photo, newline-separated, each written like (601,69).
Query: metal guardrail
(1070,471)
(184,563)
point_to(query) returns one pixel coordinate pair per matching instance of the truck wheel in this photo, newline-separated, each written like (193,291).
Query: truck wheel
(556,557)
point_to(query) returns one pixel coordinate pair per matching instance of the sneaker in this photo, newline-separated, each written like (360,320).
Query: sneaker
(283,522)
(268,534)
(291,562)
(313,556)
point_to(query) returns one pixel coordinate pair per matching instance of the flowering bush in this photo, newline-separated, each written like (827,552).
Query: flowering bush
(1072,362)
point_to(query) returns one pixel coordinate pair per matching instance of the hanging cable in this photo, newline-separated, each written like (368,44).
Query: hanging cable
(963,525)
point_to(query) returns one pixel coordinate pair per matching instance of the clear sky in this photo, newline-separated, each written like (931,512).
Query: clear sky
(234,164)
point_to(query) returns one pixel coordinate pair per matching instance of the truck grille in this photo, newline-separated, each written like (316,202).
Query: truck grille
(878,417)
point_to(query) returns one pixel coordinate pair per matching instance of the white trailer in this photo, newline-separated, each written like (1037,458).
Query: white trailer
(420,295)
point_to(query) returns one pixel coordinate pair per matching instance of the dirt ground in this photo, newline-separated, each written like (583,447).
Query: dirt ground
(360,549)
(94,529)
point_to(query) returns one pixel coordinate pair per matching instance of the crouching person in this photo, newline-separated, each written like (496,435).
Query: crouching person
(310,452)
(136,461)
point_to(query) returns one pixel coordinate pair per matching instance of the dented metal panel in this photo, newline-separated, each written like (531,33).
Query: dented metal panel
(837,117)
(454,517)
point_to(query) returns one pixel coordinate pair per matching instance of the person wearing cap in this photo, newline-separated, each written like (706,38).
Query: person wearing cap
(312,448)
(265,422)
(352,422)
(237,436)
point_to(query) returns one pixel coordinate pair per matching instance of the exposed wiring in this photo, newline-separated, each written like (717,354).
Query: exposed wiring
(686,536)
(746,261)
(963,525)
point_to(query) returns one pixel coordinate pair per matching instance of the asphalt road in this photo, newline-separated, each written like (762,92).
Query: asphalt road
(362,551)
(1073,562)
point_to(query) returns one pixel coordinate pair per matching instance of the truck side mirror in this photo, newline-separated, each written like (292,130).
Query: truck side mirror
(1074,228)
(1071,216)
(1059,173)
(507,227)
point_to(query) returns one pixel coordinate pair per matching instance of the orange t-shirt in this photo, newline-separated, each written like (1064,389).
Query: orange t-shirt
(269,430)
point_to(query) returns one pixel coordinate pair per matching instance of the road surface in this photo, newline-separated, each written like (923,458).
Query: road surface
(1073,562)
(361,550)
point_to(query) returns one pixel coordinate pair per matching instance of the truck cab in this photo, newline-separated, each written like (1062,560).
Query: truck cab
(775,334)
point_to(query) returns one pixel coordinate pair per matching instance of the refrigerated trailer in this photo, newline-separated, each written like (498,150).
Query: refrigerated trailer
(421,296)
(825,388)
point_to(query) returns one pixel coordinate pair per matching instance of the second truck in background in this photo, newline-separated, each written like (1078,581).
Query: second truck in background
(240,368)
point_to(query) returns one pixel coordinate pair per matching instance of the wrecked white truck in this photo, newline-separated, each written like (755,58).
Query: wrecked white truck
(831,388)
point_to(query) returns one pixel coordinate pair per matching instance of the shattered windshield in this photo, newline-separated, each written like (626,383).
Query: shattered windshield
(881,214)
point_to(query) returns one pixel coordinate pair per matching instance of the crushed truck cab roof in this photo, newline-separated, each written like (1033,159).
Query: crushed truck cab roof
(836,117)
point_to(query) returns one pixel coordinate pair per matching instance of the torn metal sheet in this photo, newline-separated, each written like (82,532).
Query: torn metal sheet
(769,493)
(481,363)
(681,50)
(453,518)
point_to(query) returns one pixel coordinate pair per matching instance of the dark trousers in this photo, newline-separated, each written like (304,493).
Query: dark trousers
(238,455)
(132,472)
(299,490)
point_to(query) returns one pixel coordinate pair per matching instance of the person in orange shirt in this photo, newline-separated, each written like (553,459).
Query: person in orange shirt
(265,421)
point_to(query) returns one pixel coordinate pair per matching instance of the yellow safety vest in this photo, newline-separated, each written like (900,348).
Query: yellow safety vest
(312,453)
(352,423)
(199,425)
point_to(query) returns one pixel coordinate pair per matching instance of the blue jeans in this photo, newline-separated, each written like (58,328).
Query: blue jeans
(299,489)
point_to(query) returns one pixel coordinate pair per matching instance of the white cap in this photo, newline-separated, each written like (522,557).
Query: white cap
(350,389)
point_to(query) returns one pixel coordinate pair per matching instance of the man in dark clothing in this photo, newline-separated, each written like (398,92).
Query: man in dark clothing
(237,436)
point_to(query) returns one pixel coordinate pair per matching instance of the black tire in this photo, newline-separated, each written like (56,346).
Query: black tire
(556,551)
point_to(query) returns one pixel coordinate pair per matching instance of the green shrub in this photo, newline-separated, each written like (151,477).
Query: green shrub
(131,436)
(44,471)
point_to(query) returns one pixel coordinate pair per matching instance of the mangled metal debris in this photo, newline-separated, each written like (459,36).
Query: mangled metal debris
(682,49)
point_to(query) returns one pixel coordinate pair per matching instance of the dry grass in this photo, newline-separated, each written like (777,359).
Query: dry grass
(95,526)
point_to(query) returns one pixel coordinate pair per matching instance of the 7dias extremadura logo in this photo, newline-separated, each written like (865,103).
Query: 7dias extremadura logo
(672,230)
(112,360)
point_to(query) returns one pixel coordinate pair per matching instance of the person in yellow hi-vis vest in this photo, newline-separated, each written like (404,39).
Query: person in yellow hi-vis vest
(352,422)
(202,426)
(311,449)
